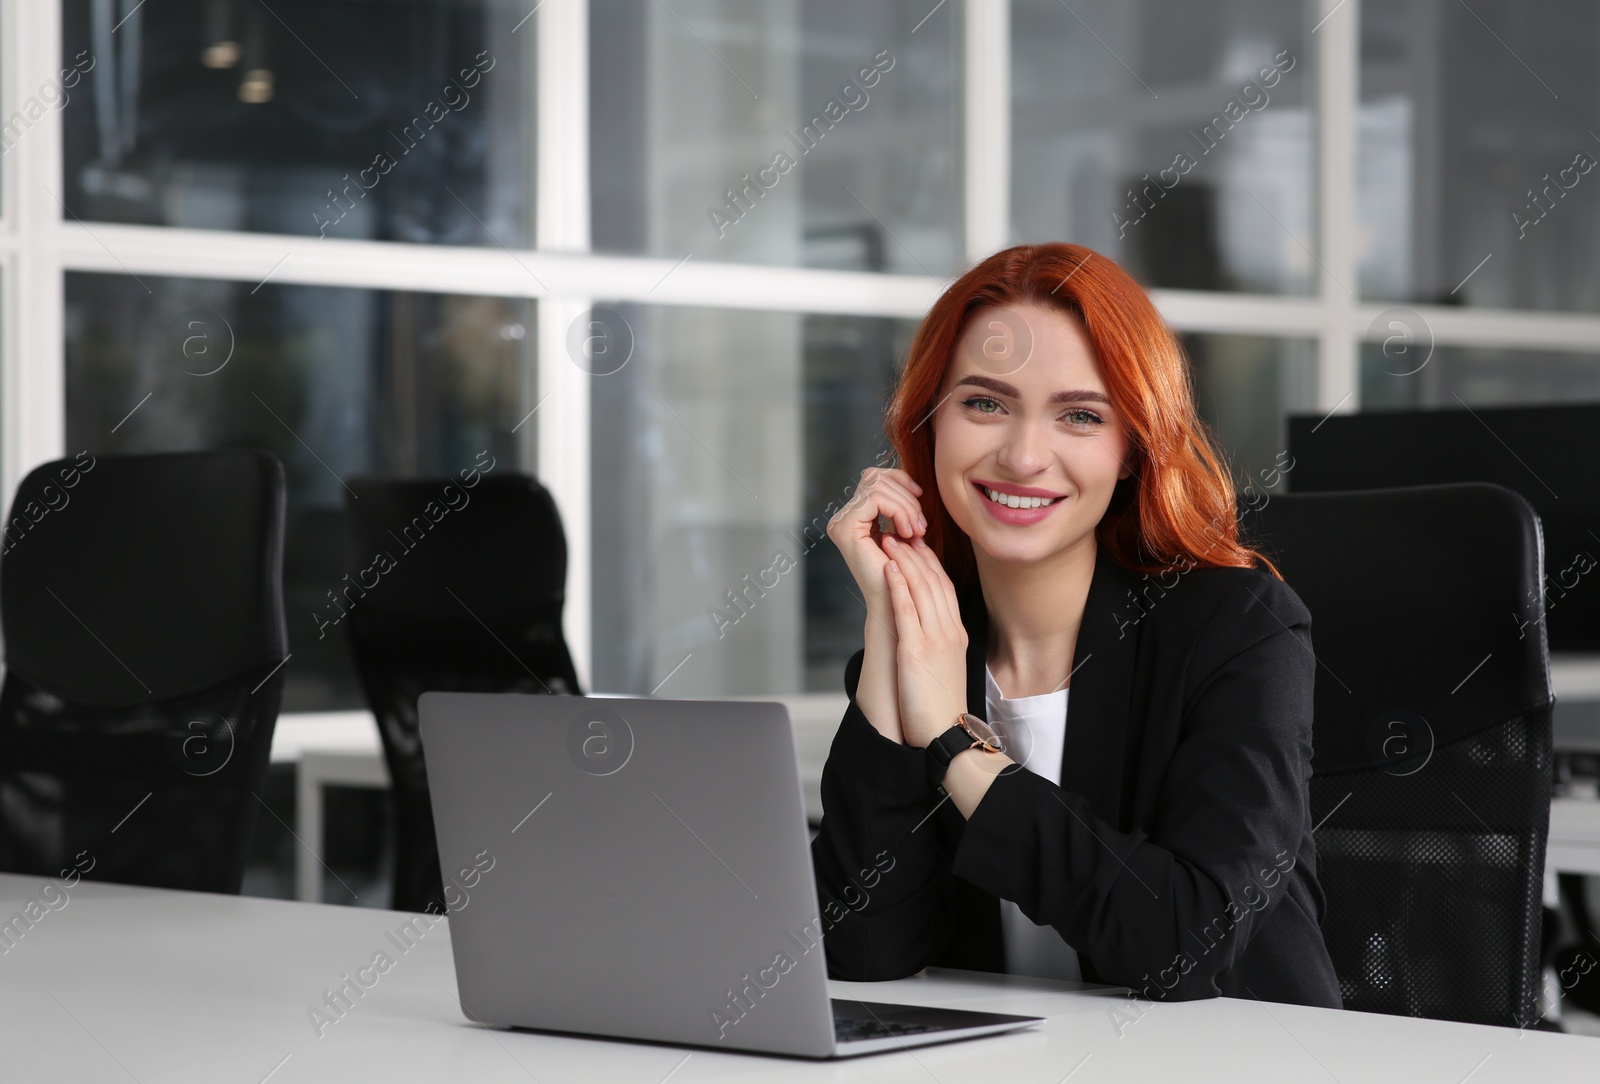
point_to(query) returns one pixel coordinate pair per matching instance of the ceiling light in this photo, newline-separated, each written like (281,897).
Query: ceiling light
(256,87)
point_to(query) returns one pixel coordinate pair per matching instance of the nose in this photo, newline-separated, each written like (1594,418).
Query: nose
(1025,449)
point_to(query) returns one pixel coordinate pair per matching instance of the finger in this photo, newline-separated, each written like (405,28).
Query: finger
(899,473)
(908,628)
(861,514)
(943,589)
(892,476)
(888,498)
(902,518)
(930,611)
(894,488)
(903,476)
(946,588)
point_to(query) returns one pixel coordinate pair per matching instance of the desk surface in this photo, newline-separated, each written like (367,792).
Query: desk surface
(123,983)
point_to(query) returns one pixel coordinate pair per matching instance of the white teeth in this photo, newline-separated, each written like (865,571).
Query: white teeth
(1012,501)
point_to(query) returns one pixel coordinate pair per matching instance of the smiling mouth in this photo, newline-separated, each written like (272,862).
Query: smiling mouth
(1012,501)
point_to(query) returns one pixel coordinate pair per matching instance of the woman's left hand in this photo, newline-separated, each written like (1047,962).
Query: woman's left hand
(931,653)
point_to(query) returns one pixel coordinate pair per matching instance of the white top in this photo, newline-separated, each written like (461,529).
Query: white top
(1034,729)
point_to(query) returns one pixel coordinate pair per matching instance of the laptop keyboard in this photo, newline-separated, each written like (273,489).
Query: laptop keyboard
(854,1030)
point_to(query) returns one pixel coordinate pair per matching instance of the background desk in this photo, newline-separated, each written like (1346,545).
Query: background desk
(330,749)
(164,987)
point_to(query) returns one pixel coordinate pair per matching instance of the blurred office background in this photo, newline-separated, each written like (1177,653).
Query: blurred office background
(387,236)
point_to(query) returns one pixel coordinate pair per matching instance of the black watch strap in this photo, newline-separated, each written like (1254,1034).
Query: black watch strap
(945,748)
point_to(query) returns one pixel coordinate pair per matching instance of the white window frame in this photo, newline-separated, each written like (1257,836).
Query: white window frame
(37,248)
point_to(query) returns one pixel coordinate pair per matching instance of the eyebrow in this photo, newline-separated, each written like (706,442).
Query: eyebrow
(1078,396)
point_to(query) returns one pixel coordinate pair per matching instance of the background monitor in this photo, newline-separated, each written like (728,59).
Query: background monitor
(1548,454)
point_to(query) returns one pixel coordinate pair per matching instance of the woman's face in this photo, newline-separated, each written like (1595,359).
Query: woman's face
(1022,415)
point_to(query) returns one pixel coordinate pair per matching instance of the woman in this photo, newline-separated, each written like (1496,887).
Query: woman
(1063,526)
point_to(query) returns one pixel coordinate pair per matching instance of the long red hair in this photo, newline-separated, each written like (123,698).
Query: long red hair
(1177,508)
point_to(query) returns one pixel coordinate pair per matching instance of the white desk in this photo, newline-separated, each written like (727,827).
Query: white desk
(343,749)
(128,983)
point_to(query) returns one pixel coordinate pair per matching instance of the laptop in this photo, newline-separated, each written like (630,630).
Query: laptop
(641,869)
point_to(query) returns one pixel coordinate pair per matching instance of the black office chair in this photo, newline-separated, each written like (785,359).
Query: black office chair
(471,602)
(142,604)
(1432,766)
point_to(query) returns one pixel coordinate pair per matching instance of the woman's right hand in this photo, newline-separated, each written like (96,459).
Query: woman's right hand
(885,491)
(891,492)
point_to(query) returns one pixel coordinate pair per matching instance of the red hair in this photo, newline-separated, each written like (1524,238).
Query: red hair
(1177,508)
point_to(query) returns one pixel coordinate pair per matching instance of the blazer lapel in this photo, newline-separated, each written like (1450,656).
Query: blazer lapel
(1093,758)
(1092,762)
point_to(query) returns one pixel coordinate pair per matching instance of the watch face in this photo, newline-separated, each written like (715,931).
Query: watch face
(983,732)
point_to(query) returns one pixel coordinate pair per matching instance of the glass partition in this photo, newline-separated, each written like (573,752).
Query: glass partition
(816,133)
(1174,137)
(1477,138)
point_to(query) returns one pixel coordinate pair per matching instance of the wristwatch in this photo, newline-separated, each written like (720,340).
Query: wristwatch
(970,732)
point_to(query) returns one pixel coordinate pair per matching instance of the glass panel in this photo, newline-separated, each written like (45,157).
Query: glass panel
(1174,137)
(402,120)
(334,382)
(820,133)
(1453,376)
(706,467)
(1246,386)
(1477,144)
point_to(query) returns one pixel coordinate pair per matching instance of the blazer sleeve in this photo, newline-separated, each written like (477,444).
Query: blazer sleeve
(878,861)
(1175,909)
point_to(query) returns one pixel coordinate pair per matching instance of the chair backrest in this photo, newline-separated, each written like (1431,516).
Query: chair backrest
(141,599)
(462,589)
(1432,765)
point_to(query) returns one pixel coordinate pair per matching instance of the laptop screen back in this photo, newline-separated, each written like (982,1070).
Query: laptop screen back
(634,868)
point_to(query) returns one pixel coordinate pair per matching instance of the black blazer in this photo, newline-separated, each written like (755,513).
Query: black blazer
(1176,856)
